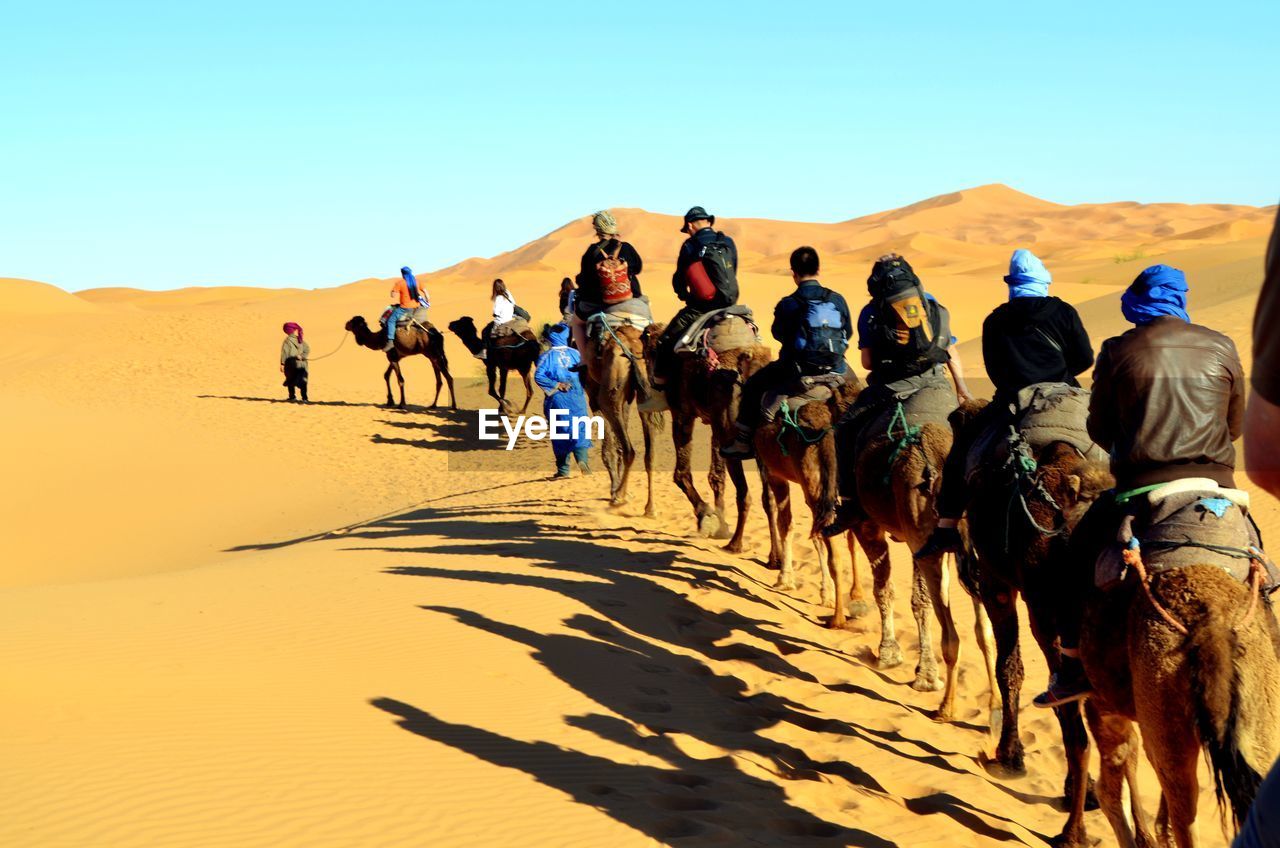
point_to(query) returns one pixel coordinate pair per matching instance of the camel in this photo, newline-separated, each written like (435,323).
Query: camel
(409,340)
(614,376)
(898,479)
(1217,688)
(806,454)
(1010,555)
(509,353)
(707,392)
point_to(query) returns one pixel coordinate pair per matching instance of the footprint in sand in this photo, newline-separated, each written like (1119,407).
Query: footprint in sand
(654,668)
(651,690)
(679,778)
(683,803)
(656,707)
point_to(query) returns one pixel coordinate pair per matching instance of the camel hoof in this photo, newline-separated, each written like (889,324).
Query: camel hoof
(734,547)
(1074,839)
(709,526)
(650,512)
(995,723)
(785,584)
(926,682)
(834,623)
(891,657)
(857,609)
(1004,767)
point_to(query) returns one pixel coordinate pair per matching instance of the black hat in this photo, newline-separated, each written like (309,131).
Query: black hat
(697,213)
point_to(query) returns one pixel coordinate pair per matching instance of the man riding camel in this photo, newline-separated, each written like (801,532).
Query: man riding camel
(406,298)
(813,326)
(705,279)
(1168,401)
(1032,338)
(904,337)
(610,274)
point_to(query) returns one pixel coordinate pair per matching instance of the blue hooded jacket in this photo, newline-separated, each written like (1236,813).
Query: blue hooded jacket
(1027,275)
(554,368)
(1158,292)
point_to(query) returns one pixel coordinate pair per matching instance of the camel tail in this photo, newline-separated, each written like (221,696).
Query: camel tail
(1233,714)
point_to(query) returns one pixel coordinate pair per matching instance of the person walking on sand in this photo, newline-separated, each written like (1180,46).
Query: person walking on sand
(294,354)
(566,299)
(557,375)
(406,297)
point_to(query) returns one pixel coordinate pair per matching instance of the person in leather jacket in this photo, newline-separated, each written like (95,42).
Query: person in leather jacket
(1168,400)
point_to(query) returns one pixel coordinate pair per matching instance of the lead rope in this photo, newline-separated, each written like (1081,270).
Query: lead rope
(1133,559)
(331,353)
(1255,588)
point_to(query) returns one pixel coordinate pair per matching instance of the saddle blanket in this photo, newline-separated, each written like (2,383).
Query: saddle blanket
(1189,522)
(720,330)
(514,327)
(629,313)
(1043,413)
(818,389)
(419,315)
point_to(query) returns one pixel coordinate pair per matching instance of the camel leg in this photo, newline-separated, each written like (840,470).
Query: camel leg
(780,526)
(399,380)
(435,369)
(929,587)
(769,503)
(448,378)
(871,538)
(739,478)
(987,644)
(827,557)
(386,377)
(1001,603)
(1174,751)
(625,451)
(502,389)
(646,426)
(716,478)
(1118,753)
(528,388)
(682,437)
(858,605)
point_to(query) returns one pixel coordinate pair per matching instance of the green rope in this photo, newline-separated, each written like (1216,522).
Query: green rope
(605,323)
(789,422)
(910,435)
(1124,497)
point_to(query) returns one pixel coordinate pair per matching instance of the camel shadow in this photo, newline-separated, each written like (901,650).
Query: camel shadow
(408,408)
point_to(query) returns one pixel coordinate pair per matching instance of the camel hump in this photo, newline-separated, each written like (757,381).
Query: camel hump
(1189,522)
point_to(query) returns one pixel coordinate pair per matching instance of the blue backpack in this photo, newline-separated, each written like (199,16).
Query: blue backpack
(822,338)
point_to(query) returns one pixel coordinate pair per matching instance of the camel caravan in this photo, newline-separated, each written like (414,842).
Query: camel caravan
(1112,511)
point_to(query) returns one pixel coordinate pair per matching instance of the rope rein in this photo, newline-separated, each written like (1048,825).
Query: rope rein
(332,352)
(789,422)
(1133,559)
(910,436)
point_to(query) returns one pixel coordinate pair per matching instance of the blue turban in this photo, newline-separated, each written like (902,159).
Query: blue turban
(410,281)
(1158,292)
(1027,275)
(558,335)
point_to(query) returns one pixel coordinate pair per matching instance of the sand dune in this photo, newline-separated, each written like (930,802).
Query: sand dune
(231,621)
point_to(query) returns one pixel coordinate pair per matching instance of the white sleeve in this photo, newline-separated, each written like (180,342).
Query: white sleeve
(503,310)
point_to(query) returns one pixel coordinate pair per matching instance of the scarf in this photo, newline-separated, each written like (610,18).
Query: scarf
(291,328)
(411,281)
(1158,292)
(1027,275)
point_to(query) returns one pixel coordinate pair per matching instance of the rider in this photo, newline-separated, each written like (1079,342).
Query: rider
(705,279)
(504,311)
(408,297)
(904,337)
(590,299)
(557,376)
(1032,338)
(1167,402)
(813,326)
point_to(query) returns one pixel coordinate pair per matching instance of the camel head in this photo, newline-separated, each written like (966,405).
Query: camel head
(649,338)
(356,325)
(966,412)
(1073,481)
(465,329)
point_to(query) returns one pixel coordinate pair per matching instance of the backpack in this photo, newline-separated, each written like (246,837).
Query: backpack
(711,278)
(912,334)
(822,337)
(614,276)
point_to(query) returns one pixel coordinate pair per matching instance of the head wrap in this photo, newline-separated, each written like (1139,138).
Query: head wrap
(1027,275)
(411,281)
(1158,292)
(558,335)
(292,328)
(604,223)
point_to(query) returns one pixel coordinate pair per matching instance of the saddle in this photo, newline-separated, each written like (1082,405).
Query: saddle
(634,312)
(1042,414)
(804,390)
(514,327)
(928,398)
(1184,523)
(418,315)
(719,331)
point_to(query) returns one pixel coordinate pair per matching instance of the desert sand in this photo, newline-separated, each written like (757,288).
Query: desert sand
(226,620)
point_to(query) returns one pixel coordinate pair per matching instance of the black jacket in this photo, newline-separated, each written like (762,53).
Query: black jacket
(1168,401)
(1034,340)
(691,251)
(789,314)
(589,283)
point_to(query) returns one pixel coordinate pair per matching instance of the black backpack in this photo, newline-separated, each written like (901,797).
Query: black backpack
(821,338)
(717,259)
(912,331)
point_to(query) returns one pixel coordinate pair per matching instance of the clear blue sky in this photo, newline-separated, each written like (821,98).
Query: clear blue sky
(312,143)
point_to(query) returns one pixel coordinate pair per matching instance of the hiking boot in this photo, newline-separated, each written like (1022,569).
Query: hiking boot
(846,515)
(482,355)
(389,346)
(1068,685)
(943,540)
(742,447)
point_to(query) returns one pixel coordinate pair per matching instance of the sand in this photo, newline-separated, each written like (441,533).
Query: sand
(226,620)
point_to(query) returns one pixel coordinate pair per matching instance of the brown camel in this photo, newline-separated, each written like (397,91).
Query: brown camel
(707,392)
(806,454)
(1012,551)
(514,352)
(898,479)
(615,375)
(1216,688)
(410,340)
